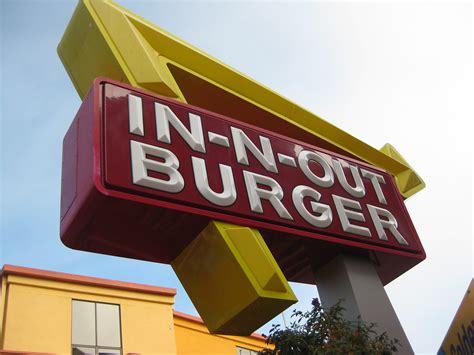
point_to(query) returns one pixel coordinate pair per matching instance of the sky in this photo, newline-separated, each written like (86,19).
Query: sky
(384,72)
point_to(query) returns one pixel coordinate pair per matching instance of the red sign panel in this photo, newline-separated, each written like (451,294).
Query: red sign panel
(159,170)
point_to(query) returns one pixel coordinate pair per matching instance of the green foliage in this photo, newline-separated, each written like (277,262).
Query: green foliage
(322,331)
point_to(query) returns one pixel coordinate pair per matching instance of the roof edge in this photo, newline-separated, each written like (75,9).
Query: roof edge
(200,321)
(85,280)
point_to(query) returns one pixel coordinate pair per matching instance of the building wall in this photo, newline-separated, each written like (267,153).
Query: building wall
(32,315)
(37,316)
(192,337)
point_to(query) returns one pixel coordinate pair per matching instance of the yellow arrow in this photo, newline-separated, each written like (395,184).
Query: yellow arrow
(104,39)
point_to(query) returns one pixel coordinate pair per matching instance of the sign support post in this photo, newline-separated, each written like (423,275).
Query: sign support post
(354,281)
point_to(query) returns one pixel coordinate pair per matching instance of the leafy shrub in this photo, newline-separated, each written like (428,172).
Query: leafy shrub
(320,331)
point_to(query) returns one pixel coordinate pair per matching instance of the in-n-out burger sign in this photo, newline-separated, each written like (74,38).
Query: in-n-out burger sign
(146,159)
(145,150)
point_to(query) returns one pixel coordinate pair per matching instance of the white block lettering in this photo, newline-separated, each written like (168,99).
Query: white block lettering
(305,157)
(169,167)
(375,179)
(193,137)
(345,214)
(135,115)
(242,143)
(324,218)
(358,190)
(218,139)
(225,198)
(256,194)
(389,223)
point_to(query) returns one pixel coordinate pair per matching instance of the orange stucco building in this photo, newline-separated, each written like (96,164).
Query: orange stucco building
(52,312)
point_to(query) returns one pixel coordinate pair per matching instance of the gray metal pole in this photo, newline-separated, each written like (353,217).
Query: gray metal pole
(355,280)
